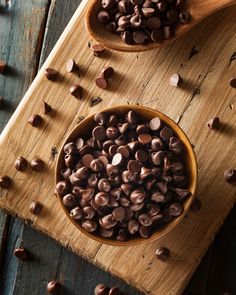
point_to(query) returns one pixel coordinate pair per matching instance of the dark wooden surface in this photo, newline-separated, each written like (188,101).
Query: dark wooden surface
(28,31)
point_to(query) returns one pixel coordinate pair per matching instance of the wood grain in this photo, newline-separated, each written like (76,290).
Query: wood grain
(189,245)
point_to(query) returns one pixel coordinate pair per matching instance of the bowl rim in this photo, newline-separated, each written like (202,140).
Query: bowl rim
(174,222)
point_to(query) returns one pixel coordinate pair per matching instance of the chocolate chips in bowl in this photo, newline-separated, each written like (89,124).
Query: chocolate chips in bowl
(126,175)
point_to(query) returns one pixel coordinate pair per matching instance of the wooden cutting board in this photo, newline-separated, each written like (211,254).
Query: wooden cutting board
(140,78)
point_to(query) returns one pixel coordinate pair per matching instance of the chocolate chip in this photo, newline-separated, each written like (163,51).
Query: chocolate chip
(119,213)
(106,233)
(69,201)
(36,208)
(155,124)
(154,23)
(175,80)
(35,120)
(97,49)
(214,123)
(162,253)
(133,226)
(168,32)
(107,72)
(108,221)
(96,165)
(46,108)
(21,254)
(114,291)
(157,36)
(134,166)
(176,209)
(76,213)
(101,82)
(77,91)
(183,193)
(72,66)
(103,16)
(99,133)
(21,164)
(144,138)
(100,118)
(104,185)
(127,37)
(145,231)
(137,196)
(139,37)
(51,74)
(173,15)
(166,133)
(117,159)
(101,289)
(184,17)
(230,176)
(62,188)
(3,67)
(233,83)
(37,164)
(122,236)
(53,287)
(141,156)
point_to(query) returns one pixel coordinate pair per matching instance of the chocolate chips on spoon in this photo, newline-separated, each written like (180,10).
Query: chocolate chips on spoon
(126,179)
(140,22)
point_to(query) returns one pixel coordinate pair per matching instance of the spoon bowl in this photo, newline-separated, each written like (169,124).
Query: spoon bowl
(199,9)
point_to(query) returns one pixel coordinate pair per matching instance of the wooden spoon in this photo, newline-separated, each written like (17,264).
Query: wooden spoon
(199,9)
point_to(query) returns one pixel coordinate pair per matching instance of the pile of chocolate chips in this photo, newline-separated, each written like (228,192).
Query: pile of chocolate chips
(125,181)
(142,21)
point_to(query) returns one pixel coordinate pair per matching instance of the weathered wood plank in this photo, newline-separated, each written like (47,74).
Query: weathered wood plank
(19,21)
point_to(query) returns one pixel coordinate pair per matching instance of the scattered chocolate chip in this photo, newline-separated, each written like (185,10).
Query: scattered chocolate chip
(37,164)
(72,66)
(97,49)
(101,289)
(5,181)
(175,80)
(21,253)
(95,100)
(36,208)
(107,72)
(35,120)
(233,83)
(184,17)
(3,67)
(230,176)
(214,123)
(77,91)
(114,291)
(46,108)
(101,82)
(162,253)
(21,164)
(51,74)
(53,287)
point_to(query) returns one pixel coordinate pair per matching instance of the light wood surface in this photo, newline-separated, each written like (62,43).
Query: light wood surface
(199,9)
(208,72)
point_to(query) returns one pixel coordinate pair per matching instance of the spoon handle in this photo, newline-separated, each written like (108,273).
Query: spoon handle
(201,8)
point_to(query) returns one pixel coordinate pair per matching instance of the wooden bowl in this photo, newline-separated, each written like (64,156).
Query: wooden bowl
(81,130)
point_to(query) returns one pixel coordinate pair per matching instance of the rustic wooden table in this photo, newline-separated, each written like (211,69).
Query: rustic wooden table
(28,32)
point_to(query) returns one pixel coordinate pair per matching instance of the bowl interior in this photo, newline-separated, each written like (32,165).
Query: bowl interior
(109,39)
(81,130)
